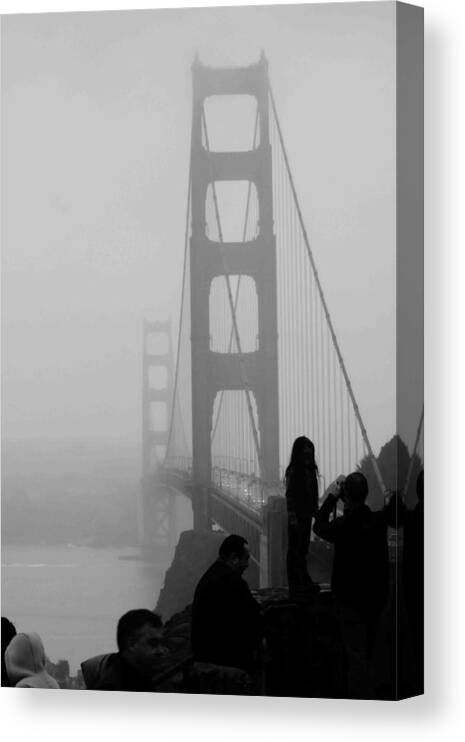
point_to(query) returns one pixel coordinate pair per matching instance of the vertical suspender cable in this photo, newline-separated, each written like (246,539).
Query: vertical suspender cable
(290,259)
(277,192)
(302,317)
(320,390)
(328,361)
(296,305)
(349,435)
(323,393)
(313,351)
(336,448)
(317,375)
(341,423)
(308,284)
(287,264)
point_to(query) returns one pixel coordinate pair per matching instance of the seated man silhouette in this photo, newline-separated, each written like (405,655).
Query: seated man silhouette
(139,638)
(360,572)
(226,621)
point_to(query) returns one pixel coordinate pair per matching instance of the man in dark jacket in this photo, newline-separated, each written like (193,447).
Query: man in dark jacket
(360,574)
(226,622)
(139,637)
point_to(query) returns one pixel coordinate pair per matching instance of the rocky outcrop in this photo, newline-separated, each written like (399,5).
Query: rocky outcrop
(194,554)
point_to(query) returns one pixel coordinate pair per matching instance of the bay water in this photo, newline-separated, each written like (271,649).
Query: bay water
(73,596)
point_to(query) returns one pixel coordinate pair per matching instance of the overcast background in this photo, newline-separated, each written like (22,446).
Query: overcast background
(96,134)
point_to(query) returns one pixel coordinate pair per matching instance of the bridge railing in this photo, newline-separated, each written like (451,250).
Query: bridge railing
(243,487)
(179,463)
(240,503)
(235,476)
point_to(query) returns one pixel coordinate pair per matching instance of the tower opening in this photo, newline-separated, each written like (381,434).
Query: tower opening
(245,301)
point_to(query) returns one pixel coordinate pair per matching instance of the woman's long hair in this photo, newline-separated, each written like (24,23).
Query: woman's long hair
(297,460)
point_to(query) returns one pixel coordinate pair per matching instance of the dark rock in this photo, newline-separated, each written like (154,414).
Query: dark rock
(304,655)
(194,554)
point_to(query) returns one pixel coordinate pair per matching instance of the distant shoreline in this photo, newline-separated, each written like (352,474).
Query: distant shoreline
(65,544)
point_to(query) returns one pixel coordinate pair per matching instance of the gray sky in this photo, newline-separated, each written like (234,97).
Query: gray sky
(96,136)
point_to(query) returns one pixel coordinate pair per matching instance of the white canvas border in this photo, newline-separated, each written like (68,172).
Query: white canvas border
(440,713)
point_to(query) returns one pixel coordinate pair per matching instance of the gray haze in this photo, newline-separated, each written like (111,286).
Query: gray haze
(96,136)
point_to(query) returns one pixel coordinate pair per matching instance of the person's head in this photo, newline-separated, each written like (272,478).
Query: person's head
(26,662)
(302,454)
(235,553)
(24,656)
(419,488)
(139,637)
(355,490)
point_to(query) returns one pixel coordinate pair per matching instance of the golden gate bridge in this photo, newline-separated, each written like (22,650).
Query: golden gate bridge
(257,360)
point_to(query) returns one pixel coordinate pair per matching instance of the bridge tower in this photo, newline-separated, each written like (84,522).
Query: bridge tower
(212,371)
(157,503)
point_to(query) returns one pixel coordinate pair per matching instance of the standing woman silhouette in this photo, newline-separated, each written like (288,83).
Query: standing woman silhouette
(302,504)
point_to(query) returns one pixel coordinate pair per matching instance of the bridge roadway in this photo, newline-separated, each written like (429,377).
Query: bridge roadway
(240,503)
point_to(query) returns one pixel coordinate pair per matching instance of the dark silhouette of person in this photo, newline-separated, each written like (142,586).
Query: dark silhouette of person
(226,622)
(413,579)
(8,632)
(360,572)
(302,504)
(139,637)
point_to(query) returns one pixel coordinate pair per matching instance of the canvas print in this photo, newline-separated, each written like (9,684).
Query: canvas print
(212,330)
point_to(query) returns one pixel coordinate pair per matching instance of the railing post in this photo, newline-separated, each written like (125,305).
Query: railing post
(275,534)
(264,571)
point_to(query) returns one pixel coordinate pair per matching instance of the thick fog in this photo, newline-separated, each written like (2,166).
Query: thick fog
(96,140)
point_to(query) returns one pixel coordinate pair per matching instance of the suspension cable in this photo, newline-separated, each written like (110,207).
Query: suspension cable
(323,300)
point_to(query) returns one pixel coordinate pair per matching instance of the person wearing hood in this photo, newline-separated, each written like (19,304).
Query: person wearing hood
(25,663)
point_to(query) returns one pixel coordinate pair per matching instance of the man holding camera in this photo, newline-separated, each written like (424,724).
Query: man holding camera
(360,573)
